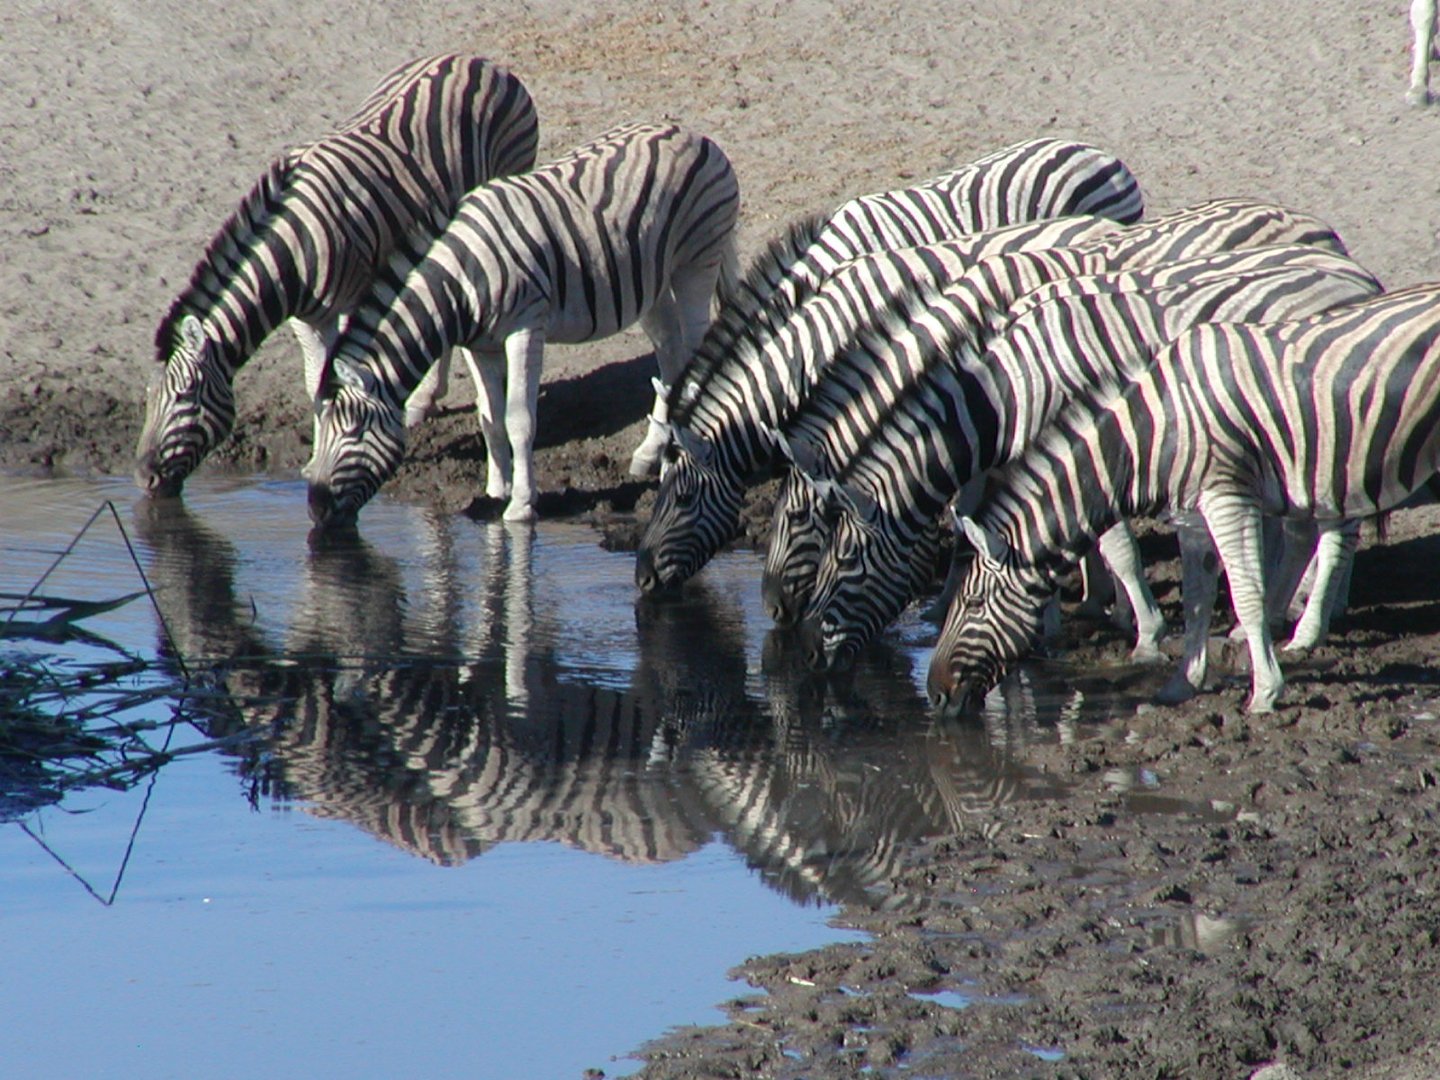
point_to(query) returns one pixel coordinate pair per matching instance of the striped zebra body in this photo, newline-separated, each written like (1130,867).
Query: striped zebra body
(722,416)
(798,534)
(1030,181)
(1332,417)
(632,227)
(308,239)
(720,439)
(914,418)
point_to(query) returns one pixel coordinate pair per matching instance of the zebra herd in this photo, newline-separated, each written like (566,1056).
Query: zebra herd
(1011,345)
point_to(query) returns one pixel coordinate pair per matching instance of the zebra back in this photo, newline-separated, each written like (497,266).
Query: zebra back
(1029,181)
(307,238)
(579,247)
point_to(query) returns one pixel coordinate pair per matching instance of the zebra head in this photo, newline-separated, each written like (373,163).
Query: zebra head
(359,441)
(697,512)
(189,407)
(864,579)
(995,618)
(799,533)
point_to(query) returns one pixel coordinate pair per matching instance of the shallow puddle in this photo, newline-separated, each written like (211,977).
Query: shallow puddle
(447,799)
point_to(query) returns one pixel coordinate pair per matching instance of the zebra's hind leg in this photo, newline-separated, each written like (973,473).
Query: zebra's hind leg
(1235,526)
(1199,583)
(1334,552)
(1122,555)
(488,371)
(423,401)
(663,326)
(1422,29)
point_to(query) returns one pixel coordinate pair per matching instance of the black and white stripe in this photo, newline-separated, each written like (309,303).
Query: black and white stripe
(1327,418)
(724,413)
(307,240)
(1034,180)
(634,226)
(723,440)
(909,418)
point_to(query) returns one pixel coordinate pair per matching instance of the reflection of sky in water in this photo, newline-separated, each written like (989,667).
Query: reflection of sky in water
(247,942)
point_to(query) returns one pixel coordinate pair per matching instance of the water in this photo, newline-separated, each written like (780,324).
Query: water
(459,804)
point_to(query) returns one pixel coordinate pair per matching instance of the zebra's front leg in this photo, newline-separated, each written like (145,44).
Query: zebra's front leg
(1234,521)
(1122,555)
(1422,30)
(314,339)
(488,371)
(1199,583)
(524,355)
(1334,551)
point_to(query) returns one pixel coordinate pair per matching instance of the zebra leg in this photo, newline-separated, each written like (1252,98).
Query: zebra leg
(423,401)
(1122,555)
(1097,586)
(524,354)
(1334,553)
(1422,28)
(1235,526)
(488,371)
(1199,584)
(663,326)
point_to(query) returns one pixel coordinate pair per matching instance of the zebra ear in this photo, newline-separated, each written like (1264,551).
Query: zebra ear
(859,501)
(699,449)
(192,336)
(991,545)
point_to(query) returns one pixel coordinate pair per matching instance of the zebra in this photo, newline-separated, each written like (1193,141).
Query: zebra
(917,414)
(306,241)
(1033,180)
(1422,30)
(635,225)
(722,432)
(723,440)
(1331,417)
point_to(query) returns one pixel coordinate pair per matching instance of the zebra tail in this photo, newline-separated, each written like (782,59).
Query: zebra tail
(730,274)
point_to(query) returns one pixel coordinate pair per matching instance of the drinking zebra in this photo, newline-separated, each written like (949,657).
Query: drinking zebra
(307,240)
(1332,417)
(631,227)
(721,438)
(1422,30)
(912,418)
(724,412)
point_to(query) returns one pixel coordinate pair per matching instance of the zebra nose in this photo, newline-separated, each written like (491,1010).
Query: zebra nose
(326,510)
(812,645)
(777,603)
(645,577)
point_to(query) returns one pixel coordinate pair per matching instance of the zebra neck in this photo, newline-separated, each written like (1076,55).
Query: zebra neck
(1075,483)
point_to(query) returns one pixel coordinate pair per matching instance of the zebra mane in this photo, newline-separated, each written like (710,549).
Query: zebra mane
(255,211)
(832,394)
(751,310)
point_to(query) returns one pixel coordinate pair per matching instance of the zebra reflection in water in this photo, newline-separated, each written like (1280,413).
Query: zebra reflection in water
(445,712)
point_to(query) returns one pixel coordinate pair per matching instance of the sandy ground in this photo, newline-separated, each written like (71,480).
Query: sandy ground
(128,130)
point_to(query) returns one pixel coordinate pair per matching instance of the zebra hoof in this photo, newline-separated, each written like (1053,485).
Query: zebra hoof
(523,514)
(1147,653)
(1175,692)
(1418,97)
(642,466)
